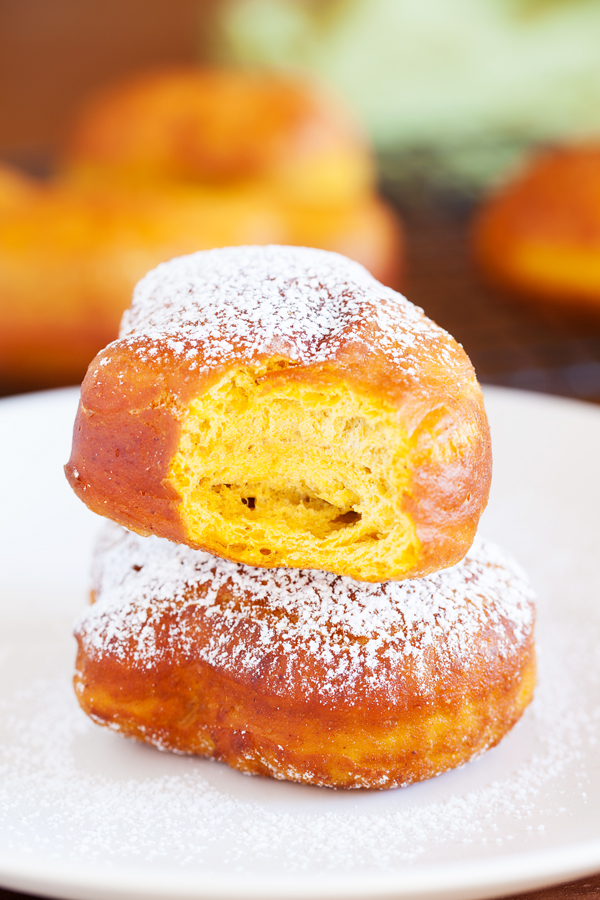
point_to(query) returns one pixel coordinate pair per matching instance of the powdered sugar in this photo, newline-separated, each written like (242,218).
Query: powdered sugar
(247,302)
(70,791)
(355,631)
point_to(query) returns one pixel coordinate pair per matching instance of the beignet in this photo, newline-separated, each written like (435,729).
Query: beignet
(538,235)
(279,407)
(305,675)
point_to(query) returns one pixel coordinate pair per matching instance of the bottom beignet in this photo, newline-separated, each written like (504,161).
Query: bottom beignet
(305,675)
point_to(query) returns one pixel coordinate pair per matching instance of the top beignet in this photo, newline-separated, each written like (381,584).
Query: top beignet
(277,406)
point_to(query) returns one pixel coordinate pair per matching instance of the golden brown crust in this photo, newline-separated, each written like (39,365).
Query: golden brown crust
(346,690)
(539,235)
(123,445)
(136,399)
(299,740)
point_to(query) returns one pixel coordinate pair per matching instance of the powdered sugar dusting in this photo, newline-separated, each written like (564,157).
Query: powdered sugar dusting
(247,302)
(70,791)
(356,632)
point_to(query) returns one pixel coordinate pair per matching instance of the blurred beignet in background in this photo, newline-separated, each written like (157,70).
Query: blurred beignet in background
(280,138)
(221,126)
(539,235)
(279,407)
(16,189)
(369,232)
(165,164)
(70,256)
(303,675)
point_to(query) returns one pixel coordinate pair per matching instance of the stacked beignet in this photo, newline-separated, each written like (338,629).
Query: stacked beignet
(301,674)
(278,407)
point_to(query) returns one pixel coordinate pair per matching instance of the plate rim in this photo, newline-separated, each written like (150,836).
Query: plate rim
(455,881)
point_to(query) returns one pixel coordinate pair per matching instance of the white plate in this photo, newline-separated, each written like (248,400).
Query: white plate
(87,814)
